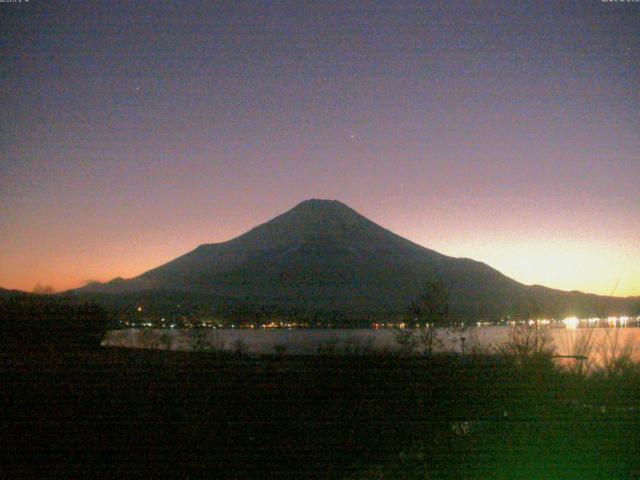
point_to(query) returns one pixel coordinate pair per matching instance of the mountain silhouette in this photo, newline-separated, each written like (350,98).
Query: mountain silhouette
(324,256)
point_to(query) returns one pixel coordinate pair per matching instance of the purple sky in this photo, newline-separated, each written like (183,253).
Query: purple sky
(507,132)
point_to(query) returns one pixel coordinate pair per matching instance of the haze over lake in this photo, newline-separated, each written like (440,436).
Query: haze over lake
(359,340)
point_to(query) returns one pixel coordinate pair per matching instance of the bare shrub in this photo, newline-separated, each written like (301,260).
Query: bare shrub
(616,359)
(428,339)
(527,343)
(149,339)
(197,339)
(406,340)
(204,340)
(424,340)
(216,342)
(475,346)
(358,346)
(581,350)
(457,336)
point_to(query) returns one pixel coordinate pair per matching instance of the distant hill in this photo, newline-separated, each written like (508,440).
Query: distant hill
(323,256)
(4,293)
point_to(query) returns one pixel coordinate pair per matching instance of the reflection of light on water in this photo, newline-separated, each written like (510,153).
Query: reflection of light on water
(571,322)
(618,321)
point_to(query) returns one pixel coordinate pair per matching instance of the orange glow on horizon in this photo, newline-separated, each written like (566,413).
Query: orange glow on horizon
(561,264)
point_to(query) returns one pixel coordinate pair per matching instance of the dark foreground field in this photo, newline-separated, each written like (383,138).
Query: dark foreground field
(119,412)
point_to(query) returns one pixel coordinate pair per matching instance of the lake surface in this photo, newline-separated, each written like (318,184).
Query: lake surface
(606,341)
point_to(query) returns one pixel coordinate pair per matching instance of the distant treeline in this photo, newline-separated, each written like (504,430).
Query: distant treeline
(190,311)
(40,321)
(69,321)
(179,305)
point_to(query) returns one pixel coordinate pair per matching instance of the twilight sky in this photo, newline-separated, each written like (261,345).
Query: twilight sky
(507,132)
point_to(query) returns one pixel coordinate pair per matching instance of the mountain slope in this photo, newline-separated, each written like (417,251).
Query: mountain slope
(324,256)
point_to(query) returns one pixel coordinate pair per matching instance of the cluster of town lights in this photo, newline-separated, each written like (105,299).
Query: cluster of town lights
(570,323)
(574,322)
